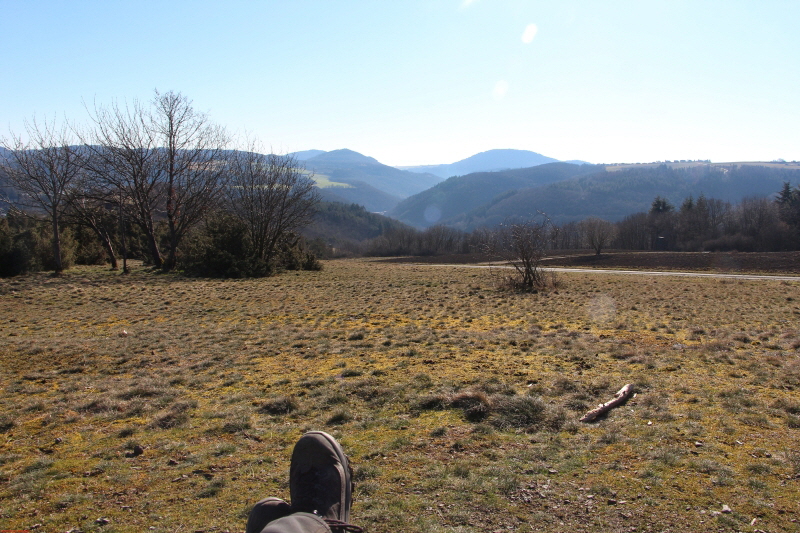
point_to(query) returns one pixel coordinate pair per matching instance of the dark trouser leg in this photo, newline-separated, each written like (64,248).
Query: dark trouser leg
(298,523)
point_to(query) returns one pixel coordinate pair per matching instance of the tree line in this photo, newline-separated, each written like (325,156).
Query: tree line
(158,182)
(756,224)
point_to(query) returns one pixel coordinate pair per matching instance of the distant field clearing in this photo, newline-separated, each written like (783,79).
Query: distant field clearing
(325,182)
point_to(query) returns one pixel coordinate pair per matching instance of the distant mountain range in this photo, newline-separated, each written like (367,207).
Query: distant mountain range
(350,177)
(488,161)
(495,185)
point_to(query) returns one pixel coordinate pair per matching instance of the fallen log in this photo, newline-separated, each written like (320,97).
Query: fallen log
(619,398)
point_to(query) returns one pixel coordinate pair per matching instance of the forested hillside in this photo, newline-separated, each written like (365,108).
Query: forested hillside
(459,195)
(347,166)
(569,192)
(358,192)
(342,228)
(614,195)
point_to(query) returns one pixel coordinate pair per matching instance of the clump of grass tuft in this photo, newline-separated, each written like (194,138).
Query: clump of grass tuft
(101,405)
(430,402)
(341,416)
(6,423)
(236,425)
(475,404)
(38,465)
(281,405)
(212,489)
(6,458)
(791,407)
(524,412)
(736,399)
(223,449)
(759,469)
(563,386)
(126,432)
(175,416)
(439,432)
(145,389)
(709,466)
(364,472)
(335,398)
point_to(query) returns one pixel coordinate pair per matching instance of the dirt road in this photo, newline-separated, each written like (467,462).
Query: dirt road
(750,277)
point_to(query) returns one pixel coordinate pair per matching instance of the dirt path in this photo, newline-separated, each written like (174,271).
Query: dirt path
(752,277)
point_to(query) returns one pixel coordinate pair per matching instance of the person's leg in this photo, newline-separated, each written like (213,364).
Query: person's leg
(298,523)
(320,483)
(266,511)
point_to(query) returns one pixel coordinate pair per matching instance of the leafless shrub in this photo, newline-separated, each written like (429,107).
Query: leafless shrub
(522,245)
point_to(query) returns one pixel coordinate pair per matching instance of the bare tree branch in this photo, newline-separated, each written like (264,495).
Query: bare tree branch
(42,170)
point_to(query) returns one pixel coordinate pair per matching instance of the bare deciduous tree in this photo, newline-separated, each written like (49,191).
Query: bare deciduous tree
(598,233)
(191,164)
(272,195)
(123,160)
(163,161)
(42,170)
(523,245)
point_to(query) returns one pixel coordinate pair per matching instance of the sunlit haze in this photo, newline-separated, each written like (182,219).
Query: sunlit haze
(426,81)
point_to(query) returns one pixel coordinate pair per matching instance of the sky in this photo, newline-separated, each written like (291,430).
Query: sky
(413,82)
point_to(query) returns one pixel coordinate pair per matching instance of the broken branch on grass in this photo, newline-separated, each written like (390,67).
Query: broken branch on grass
(619,398)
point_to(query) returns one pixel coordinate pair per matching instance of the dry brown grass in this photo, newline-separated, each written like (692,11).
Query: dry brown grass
(457,403)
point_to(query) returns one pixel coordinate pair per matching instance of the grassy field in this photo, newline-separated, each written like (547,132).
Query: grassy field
(157,403)
(324,181)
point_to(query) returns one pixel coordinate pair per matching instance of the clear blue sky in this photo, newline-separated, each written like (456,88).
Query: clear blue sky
(429,81)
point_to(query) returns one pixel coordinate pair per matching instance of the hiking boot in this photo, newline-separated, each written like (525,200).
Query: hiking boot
(320,478)
(266,511)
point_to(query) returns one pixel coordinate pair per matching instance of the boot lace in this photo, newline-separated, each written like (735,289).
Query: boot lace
(337,526)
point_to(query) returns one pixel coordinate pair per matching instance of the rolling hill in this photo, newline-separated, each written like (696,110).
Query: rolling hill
(304,155)
(458,195)
(615,194)
(348,176)
(360,193)
(366,176)
(344,227)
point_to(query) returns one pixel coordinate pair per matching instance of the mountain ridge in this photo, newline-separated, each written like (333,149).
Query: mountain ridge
(487,161)
(460,194)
